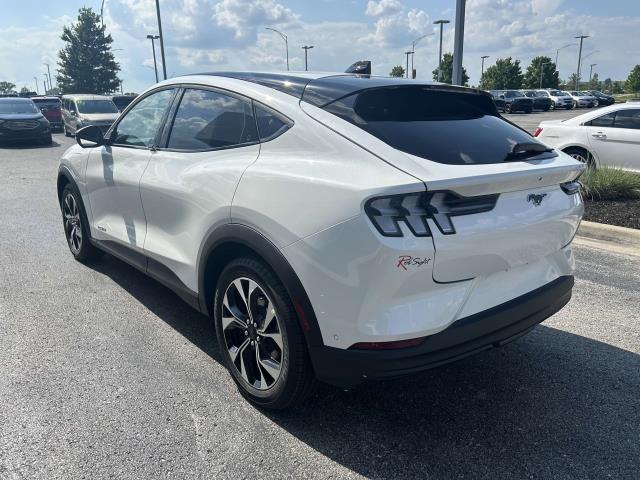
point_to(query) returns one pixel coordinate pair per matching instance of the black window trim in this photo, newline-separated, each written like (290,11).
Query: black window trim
(616,118)
(137,100)
(163,142)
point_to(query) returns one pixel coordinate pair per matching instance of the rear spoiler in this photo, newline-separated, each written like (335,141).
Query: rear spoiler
(361,67)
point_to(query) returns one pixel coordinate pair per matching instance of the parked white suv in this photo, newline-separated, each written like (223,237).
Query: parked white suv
(335,227)
(559,99)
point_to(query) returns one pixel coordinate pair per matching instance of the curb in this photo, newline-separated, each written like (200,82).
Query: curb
(609,237)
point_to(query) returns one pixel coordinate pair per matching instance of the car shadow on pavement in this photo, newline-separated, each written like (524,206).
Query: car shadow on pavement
(550,405)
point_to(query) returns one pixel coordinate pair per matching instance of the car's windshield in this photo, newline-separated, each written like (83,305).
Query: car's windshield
(46,102)
(529,93)
(577,94)
(542,94)
(18,107)
(510,94)
(558,93)
(96,106)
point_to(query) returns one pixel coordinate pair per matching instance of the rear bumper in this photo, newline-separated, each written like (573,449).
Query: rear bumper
(490,328)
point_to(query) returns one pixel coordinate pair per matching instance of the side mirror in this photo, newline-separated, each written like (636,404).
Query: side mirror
(90,133)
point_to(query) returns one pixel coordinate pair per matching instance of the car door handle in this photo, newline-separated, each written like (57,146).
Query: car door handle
(599,135)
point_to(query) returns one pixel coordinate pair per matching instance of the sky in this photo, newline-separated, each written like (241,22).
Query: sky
(210,35)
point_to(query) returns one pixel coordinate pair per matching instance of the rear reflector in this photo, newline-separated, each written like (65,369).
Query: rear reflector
(412,342)
(538,131)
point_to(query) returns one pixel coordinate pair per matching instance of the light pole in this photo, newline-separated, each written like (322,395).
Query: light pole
(458,43)
(558,51)
(153,48)
(581,37)
(37,89)
(164,63)
(407,71)
(45,83)
(286,42)
(541,70)
(413,49)
(484,57)
(441,23)
(306,48)
(590,72)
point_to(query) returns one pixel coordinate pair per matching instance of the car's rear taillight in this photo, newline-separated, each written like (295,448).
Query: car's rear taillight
(538,131)
(386,213)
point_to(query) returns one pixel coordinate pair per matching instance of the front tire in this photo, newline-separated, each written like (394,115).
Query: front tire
(507,108)
(76,229)
(259,336)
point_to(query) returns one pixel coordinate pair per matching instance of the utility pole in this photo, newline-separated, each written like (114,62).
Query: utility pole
(153,48)
(306,48)
(102,13)
(37,89)
(458,45)
(441,23)
(541,70)
(407,71)
(49,73)
(482,70)
(286,42)
(45,84)
(581,37)
(590,72)
(164,63)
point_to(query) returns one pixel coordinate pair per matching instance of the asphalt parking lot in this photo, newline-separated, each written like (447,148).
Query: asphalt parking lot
(106,374)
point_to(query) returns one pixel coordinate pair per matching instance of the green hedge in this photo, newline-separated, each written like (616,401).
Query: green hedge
(610,183)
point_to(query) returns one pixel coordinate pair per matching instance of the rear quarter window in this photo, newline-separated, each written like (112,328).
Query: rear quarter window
(457,128)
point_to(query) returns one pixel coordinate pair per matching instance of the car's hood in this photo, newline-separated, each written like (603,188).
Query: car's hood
(99,117)
(21,116)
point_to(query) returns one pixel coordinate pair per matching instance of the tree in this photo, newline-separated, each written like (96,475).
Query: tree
(25,89)
(7,87)
(607,85)
(505,74)
(632,85)
(397,71)
(571,82)
(447,71)
(86,63)
(550,77)
(595,82)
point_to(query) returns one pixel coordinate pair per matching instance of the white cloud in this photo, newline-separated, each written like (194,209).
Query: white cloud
(382,7)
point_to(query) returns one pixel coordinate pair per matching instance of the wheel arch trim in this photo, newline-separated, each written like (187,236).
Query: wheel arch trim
(244,237)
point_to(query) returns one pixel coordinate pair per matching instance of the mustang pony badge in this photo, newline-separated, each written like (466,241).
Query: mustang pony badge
(536,199)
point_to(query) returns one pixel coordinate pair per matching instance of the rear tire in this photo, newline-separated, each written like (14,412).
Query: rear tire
(582,155)
(259,336)
(507,108)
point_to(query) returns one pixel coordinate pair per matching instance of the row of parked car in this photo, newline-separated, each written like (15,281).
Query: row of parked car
(34,119)
(529,100)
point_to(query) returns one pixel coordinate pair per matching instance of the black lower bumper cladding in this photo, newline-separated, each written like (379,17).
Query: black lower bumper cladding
(490,328)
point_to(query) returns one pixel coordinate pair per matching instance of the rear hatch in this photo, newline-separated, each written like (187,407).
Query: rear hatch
(497,197)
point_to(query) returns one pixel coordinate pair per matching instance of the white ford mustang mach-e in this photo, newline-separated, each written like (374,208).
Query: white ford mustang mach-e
(335,227)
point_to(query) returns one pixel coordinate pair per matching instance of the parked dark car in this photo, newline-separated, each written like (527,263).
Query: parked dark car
(122,101)
(51,109)
(20,119)
(602,99)
(540,101)
(509,101)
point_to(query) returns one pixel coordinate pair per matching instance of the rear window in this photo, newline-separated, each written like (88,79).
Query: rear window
(46,102)
(456,128)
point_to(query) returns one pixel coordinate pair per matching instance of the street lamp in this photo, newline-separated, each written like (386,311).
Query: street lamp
(441,23)
(164,63)
(45,83)
(558,51)
(407,54)
(37,89)
(484,57)
(541,70)
(413,48)
(153,48)
(286,42)
(590,72)
(306,48)
(581,37)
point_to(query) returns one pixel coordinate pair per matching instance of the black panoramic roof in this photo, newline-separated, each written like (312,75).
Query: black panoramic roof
(323,90)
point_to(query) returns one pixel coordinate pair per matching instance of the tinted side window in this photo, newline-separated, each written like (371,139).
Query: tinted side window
(628,119)
(603,121)
(207,120)
(140,125)
(270,124)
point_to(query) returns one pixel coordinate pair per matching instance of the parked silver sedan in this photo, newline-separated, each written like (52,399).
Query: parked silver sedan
(582,99)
